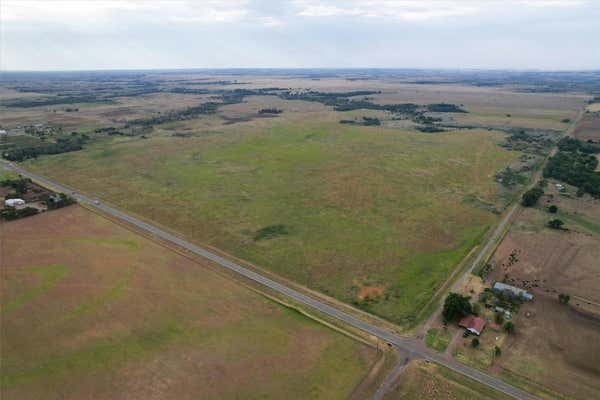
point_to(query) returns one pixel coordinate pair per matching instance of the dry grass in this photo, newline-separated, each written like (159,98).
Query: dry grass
(91,310)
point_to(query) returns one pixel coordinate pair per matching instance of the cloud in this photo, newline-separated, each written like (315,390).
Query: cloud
(88,34)
(413,10)
(99,11)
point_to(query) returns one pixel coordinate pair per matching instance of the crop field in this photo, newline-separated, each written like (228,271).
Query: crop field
(91,310)
(556,350)
(375,216)
(423,380)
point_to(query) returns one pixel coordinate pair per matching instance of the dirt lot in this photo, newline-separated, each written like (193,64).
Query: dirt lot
(556,346)
(92,310)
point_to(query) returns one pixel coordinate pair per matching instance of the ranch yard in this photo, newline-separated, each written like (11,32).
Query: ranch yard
(555,351)
(89,309)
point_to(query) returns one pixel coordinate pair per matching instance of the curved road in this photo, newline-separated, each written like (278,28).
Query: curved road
(410,346)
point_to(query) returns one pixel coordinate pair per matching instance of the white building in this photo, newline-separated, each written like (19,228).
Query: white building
(3,132)
(14,202)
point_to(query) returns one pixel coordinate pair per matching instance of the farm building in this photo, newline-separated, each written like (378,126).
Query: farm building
(14,202)
(473,324)
(500,287)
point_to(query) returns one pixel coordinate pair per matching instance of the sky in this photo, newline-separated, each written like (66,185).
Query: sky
(150,34)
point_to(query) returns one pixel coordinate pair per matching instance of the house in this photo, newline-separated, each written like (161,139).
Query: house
(560,187)
(506,313)
(473,324)
(14,202)
(55,198)
(512,291)
(3,132)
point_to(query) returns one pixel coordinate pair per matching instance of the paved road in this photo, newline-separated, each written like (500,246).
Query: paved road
(413,347)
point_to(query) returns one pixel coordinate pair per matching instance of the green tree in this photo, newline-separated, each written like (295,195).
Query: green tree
(509,327)
(456,306)
(499,318)
(531,197)
(497,351)
(475,343)
(552,209)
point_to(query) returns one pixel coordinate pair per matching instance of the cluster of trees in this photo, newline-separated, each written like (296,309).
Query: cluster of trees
(531,197)
(430,129)
(57,201)
(11,213)
(62,145)
(530,141)
(211,107)
(572,144)
(112,131)
(445,107)
(19,185)
(365,121)
(183,90)
(50,101)
(575,164)
(509,177)
(270,111)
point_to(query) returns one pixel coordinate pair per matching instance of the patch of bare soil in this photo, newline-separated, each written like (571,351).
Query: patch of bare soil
(555,346)
(371,292)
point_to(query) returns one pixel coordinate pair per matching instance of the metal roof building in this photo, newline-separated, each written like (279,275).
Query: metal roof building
(14,202)
(514,291)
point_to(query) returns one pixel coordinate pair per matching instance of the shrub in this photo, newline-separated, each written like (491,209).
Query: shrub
(270,232)
(497,351)
(564,298)
(509,327)
(553,209)
(475,343)
(555,224)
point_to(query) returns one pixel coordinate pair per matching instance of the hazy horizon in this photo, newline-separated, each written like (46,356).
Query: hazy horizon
(519,35)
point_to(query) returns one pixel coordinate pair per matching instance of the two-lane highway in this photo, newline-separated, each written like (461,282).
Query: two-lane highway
(409,346)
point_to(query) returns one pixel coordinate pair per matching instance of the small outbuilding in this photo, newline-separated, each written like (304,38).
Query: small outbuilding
(473,324)
(512,291)
(14,202)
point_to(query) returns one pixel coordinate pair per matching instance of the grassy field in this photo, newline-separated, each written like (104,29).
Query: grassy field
(382,210)
(89,309)
(422,380)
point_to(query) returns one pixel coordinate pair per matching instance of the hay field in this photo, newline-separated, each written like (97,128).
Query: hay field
(361,206)
(89,309)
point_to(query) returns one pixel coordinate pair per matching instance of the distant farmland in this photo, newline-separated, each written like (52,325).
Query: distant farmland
(376,216)
(91,310)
